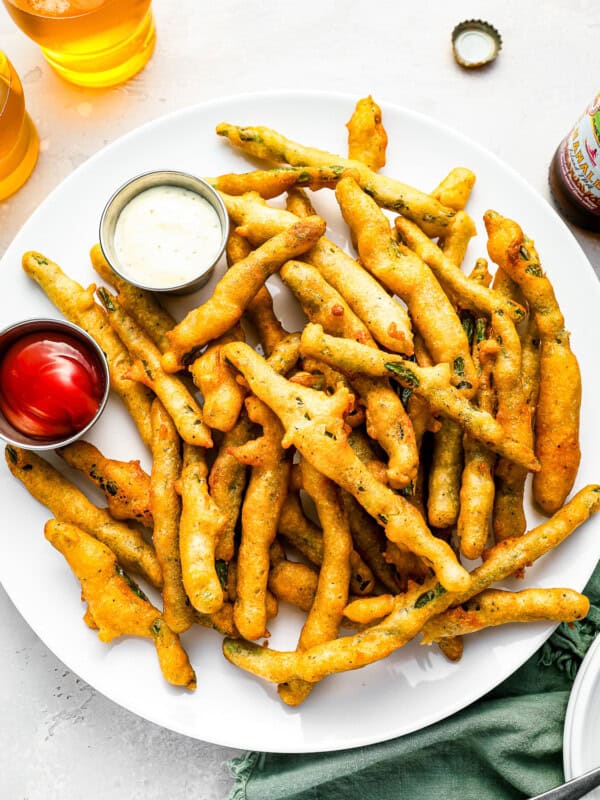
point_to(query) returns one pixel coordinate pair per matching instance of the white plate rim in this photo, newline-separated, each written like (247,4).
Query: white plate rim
(537,638)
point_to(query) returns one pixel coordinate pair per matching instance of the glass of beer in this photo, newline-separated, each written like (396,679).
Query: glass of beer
(19,142)
(89,42)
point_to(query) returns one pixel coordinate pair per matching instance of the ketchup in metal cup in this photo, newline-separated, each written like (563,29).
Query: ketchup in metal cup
(51,384)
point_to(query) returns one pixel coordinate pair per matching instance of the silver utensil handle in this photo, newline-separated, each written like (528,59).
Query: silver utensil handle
(573,789)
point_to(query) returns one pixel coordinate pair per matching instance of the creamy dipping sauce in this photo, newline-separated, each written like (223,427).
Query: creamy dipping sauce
(167,236)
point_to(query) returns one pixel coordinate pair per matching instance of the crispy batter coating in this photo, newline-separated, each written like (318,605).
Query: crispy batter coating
(273,182)
(387,320)
(470,295)
(70,505)
(236,289)
(367,138)
(166,509)
(294,582)
(512,412)
(443,502)
(496,607)
(559,402)
(415,608)
(259,310)
(227,481)
(454,245)
(260,313)
(270,145)
(202,523)
(147,369)
(325,616)
(223,395)
(433,384)
(370,541)
(307,538)
(455,189)
(295,527)
(124,483)
(77,305)
(285,354)
(477,483)
(314,424)
(116,606)
(366,610)
(142,305)
(387,421)
(265,496)
(403,273)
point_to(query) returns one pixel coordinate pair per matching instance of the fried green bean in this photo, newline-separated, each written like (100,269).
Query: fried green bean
(116,606)
(470,295)
(236,289)
(273,182)
(433,384)
(477,485)
(443,502)
(387,320)
(265,495)
(325,616)
(314,424)
(415,608)
(387,421)
(70,505)
(455,189)
(513,413)
(227,481)
(559,401)
(125,484)
(143,306)
(77,304)
(147,369)
(166,510)
(267,144)
(201,525)
(367,138)
(496,607)
(223,395)
(403,273)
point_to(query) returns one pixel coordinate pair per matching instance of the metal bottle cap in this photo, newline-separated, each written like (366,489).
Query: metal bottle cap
(475,43)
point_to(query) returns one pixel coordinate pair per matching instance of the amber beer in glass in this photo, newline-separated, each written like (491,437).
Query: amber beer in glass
(19,142)
(89,42)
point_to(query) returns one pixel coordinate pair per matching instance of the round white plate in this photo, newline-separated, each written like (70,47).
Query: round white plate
(414,687)
(581,746)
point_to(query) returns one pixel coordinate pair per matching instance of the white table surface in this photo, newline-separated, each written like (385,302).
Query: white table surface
(59,739)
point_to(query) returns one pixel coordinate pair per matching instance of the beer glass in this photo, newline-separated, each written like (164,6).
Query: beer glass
(89,42)
(19,142)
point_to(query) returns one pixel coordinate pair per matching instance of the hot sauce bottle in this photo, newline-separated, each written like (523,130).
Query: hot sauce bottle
(575,171)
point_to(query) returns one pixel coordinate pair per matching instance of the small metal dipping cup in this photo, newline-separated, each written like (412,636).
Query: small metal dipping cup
(148,180)
(8,432)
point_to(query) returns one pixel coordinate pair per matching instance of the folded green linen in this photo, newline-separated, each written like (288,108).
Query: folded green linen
(506,745)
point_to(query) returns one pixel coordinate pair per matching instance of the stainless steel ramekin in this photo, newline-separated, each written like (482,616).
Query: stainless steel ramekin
(149,180)
(8,432)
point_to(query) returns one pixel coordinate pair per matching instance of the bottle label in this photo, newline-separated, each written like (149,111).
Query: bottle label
(580,159)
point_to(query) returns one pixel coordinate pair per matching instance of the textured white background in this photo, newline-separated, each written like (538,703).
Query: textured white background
(59,740)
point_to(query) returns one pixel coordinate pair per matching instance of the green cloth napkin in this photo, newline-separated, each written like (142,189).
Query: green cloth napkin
(506,745)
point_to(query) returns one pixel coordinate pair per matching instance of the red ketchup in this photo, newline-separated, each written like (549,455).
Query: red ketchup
(51,385)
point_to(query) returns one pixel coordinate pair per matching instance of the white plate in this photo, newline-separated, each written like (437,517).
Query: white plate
(415,686)
(581,747)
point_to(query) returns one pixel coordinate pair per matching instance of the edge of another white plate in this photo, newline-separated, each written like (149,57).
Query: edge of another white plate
(582,721)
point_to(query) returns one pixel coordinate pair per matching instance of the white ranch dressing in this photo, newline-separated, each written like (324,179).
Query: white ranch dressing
(166,236)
